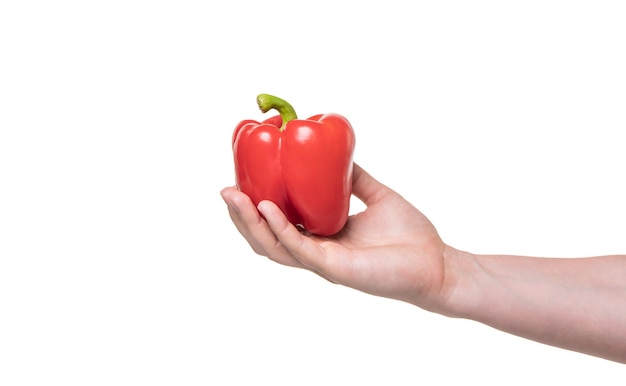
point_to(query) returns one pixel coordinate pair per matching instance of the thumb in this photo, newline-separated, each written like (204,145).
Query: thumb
(365,187)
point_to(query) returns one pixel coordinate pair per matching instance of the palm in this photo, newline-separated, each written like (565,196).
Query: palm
(391,220)
(390,249)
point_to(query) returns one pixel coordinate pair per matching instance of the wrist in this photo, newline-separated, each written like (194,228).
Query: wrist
(458,294)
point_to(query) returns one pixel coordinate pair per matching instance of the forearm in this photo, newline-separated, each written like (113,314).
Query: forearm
(577,304)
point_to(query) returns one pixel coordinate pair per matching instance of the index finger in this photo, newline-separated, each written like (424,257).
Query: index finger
(303,248)
(254,229)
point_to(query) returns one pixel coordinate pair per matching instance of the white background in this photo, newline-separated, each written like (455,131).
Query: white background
(119,264)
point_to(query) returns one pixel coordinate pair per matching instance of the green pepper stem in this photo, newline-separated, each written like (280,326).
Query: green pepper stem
(267,102)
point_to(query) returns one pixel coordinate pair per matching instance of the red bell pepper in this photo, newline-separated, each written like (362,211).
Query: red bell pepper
(302,165)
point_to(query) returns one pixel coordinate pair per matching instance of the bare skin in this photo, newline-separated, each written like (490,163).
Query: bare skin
(392,250)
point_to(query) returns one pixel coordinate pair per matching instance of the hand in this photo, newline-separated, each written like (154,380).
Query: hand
(390,249)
